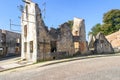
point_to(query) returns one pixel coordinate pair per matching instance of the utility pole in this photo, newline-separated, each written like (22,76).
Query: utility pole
(11,24)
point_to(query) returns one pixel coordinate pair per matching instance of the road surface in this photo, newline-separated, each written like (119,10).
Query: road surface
(102,68)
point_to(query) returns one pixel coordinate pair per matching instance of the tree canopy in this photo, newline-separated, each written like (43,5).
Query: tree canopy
(111,23)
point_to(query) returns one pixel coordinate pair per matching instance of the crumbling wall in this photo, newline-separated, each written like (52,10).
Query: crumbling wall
(102,45)
(65,40)
(43,37)
(79,35)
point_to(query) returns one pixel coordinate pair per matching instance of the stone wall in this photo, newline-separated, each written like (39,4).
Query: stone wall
(79,36)
(43,38)
(65,40)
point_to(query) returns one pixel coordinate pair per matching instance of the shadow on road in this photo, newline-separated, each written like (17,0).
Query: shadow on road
(9,57)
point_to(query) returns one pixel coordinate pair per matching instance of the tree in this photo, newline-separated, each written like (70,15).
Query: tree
(111,23)
(95,29)
(106,29)
(112,19)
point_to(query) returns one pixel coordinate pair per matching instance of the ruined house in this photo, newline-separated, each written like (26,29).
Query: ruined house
(102,45)
(9,43)
(39,43)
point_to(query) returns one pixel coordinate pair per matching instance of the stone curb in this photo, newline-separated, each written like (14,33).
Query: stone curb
(78,58)
(14,67)
(59,61)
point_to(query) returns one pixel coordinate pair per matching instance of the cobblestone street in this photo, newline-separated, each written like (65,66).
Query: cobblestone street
(103,68)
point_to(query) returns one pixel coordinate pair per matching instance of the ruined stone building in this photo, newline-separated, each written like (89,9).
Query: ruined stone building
(39,43)
(62,40)
(100,44)
(9,43)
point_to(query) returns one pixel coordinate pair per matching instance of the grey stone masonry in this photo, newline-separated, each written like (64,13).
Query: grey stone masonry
(102,45)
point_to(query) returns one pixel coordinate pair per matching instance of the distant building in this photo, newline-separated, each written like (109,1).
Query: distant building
(9,43)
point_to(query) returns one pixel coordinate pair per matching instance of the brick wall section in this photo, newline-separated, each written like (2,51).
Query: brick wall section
(114,39)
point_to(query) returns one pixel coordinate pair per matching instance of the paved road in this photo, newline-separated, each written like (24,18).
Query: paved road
(104,68)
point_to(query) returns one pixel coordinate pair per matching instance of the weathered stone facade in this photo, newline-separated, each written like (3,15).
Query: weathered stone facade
(102,45)
(99,44)
(9,43)
(39,43)
(65,40)
(43,38)
(35,38)
(79,36)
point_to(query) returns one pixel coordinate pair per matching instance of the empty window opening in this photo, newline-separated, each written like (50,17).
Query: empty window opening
(31,46)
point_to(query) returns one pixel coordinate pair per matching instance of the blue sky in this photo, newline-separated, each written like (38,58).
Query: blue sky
(59,11)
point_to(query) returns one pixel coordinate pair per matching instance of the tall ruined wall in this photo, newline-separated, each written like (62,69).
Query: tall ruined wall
(35,38)
(29,38)
(65,40)
(78,30)
(42,37)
